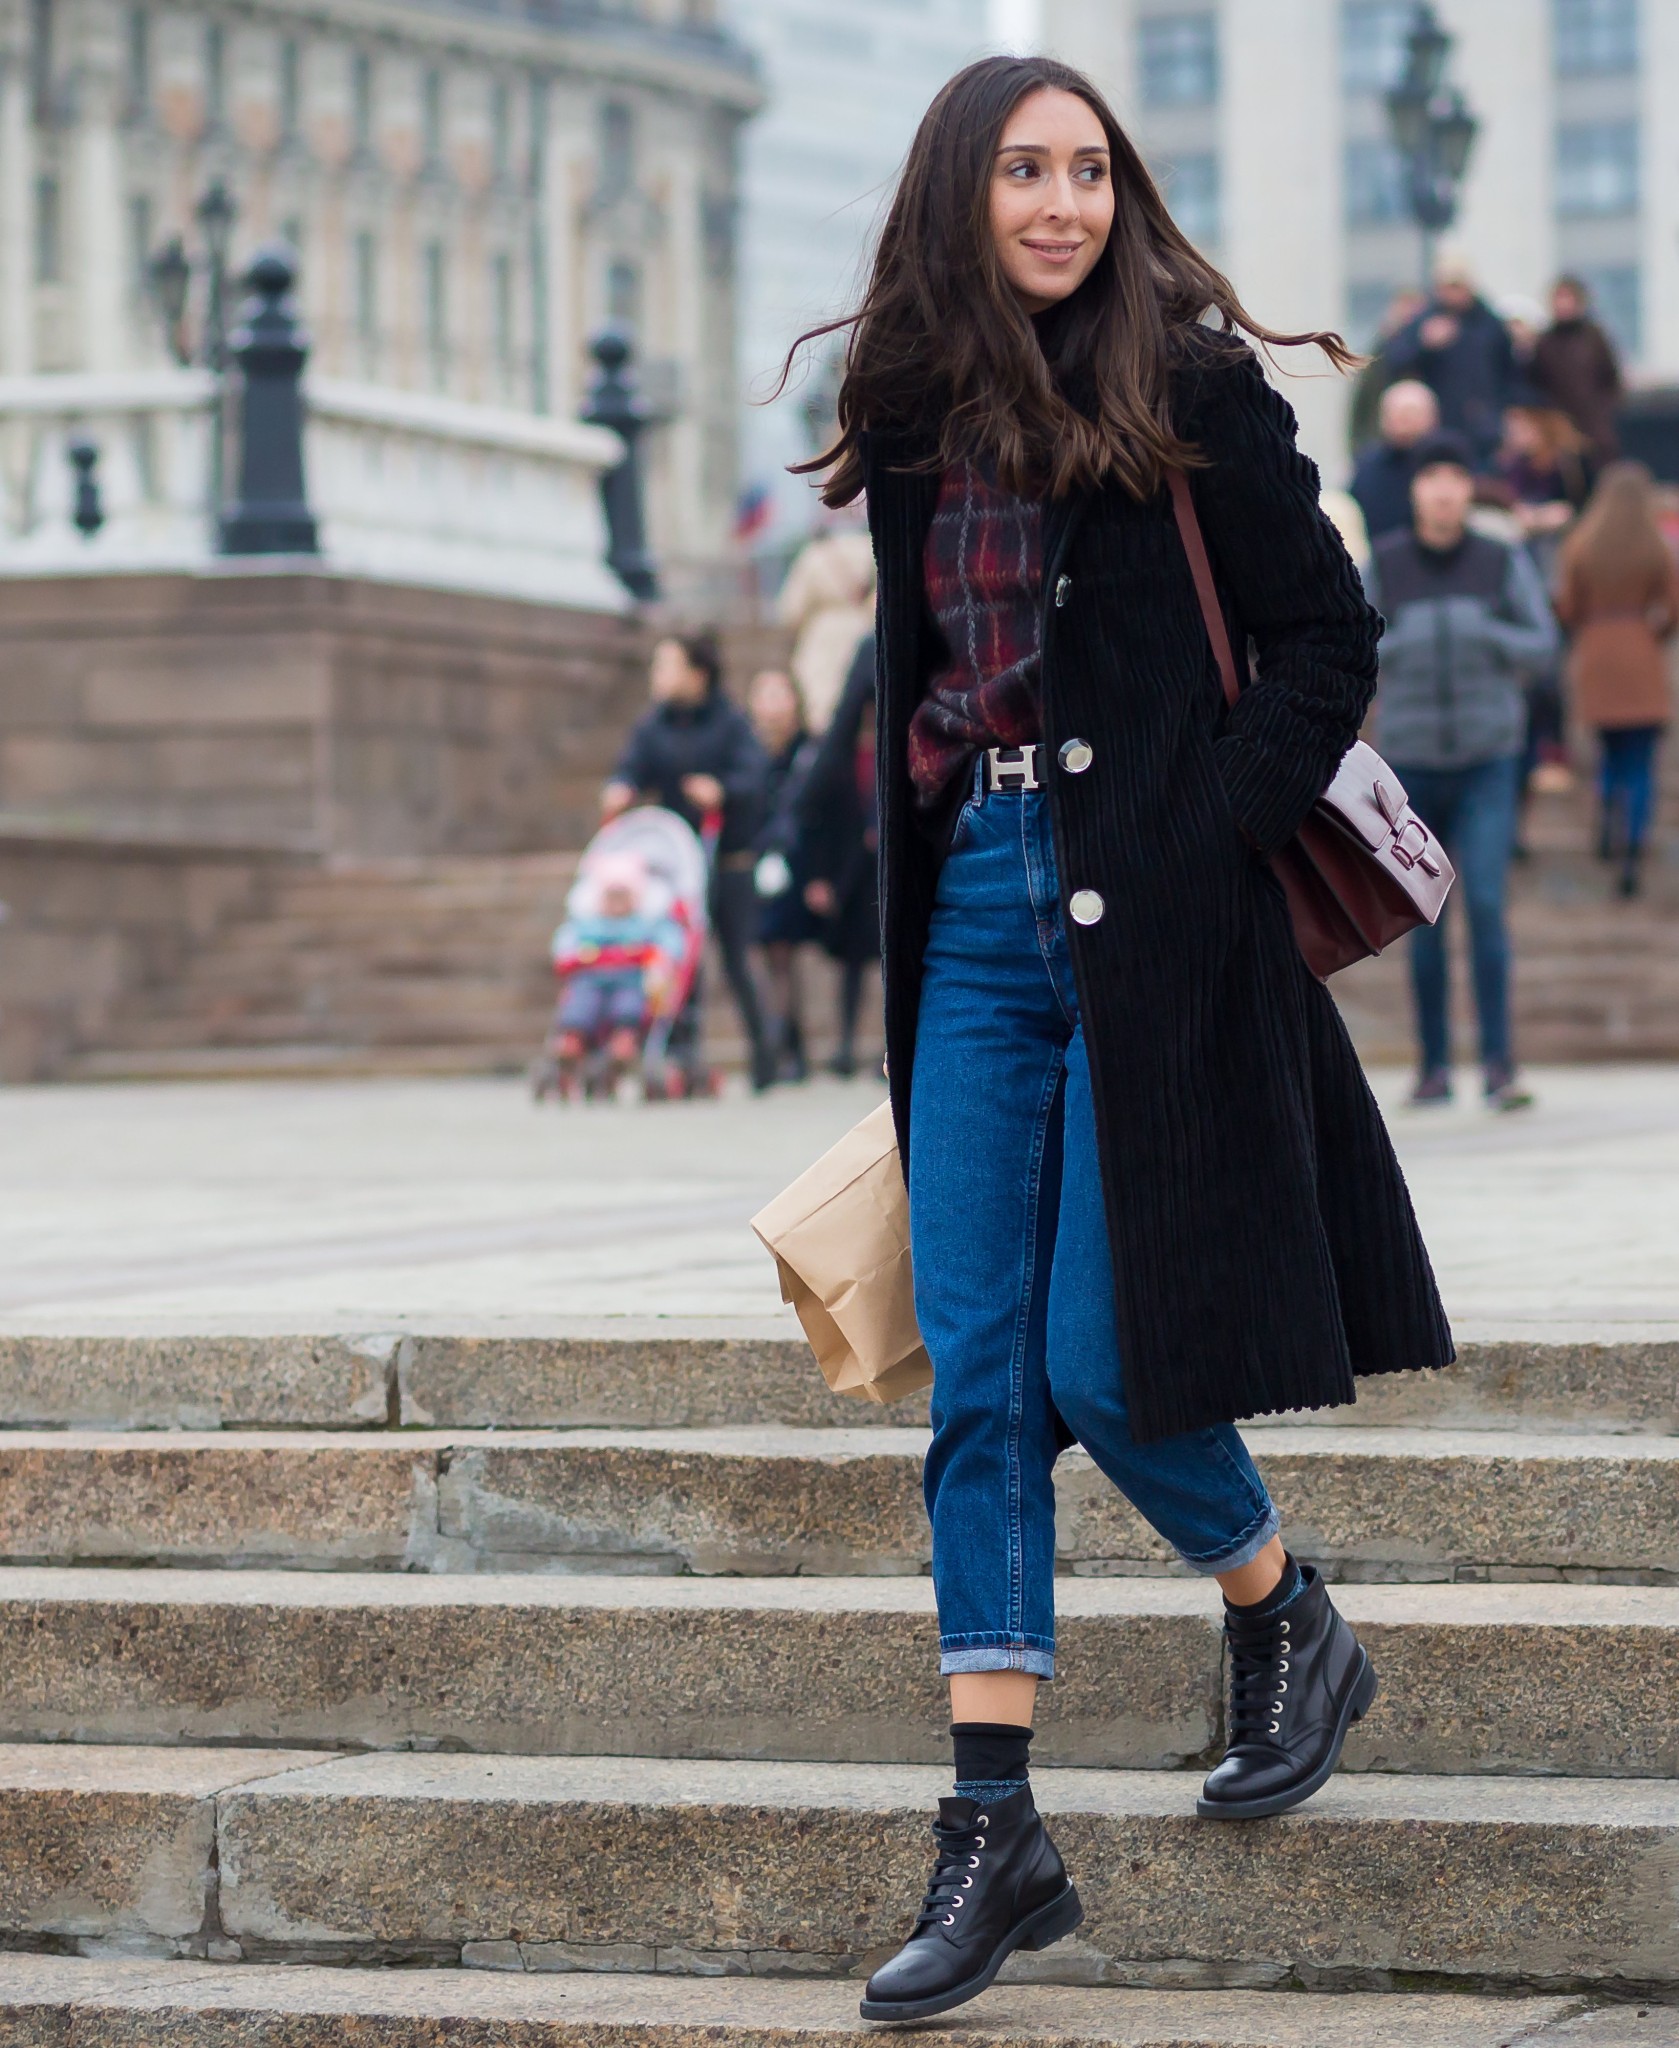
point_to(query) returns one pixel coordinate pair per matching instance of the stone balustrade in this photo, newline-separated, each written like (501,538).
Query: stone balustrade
(407,487)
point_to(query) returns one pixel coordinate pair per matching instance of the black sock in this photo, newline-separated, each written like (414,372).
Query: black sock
(1289,1587)
(990,1758)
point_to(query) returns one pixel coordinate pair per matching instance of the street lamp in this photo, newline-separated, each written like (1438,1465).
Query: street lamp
(216,214)
(170,274)
(1433,131)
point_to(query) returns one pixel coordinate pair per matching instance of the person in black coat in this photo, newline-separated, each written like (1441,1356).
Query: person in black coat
(839,847)
(1150,1192)
(785,923)
(1381,482)
(695,754)
(1459,347)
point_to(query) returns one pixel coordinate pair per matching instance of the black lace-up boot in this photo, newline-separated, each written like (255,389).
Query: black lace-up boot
(998,1885)
(1298,1681)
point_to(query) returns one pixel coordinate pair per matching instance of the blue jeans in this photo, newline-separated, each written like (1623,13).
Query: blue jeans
(1627,784)
(1013,1275)
(1473,811)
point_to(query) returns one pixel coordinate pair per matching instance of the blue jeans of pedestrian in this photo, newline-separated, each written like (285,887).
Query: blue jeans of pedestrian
(1473,812)
(1627,784)
(1013,1274)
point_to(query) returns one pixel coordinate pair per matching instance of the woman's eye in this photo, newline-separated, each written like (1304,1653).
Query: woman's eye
(1024,169)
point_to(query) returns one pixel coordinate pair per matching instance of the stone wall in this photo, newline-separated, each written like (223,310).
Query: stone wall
(168,741)
(308,713)
(85,921)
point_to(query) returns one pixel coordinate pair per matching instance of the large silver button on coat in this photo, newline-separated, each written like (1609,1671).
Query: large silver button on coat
(1086,906)
(1076,756)
(1063,590)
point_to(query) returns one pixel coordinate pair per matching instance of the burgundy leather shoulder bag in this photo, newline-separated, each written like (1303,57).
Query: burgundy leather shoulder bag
(1363,869)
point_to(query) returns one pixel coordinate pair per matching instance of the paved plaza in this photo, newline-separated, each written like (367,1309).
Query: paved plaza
(455,1205)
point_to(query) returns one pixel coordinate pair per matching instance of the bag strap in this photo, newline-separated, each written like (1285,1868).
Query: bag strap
(1201,568)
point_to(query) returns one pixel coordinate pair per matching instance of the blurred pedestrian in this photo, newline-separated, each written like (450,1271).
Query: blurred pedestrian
(828,599)
(1541,470)
(1524,319)
(1467,618)
(1617,590)
(1459,347)
(1382,475)
(695,753)
(839,847)
(785,920)
(1378,373)
(1575,366)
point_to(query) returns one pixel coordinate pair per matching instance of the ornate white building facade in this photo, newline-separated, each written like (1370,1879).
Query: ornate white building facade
(471,190)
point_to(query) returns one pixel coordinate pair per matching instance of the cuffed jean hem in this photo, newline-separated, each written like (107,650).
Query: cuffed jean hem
(1033,1658)
(1243,1551)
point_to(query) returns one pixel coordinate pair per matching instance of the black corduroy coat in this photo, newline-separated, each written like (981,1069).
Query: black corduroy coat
(1264,1246)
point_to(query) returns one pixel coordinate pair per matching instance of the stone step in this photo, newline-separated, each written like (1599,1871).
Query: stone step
(669,1375)
(631,1863)
(1578,1681)
(418,1007)
(1407,1504)
(295,1059)
(206,2005)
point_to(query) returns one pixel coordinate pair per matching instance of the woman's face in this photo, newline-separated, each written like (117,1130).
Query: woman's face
(773,708)
(1052,202)
(673,679)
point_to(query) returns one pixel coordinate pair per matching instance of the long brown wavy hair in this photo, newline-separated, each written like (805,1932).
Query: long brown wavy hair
(939,335)
(1618,542)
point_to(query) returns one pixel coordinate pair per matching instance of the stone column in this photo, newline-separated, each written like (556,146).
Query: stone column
(1659,221)
(1503,63)
(1284,243)
(1099,36)
(680,333)
(556,338)
(98,248)
(17,189)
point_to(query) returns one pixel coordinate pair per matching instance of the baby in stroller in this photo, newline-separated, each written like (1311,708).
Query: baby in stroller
(619,956)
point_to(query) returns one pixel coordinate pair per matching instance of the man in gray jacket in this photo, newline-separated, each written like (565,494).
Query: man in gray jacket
(1467,619)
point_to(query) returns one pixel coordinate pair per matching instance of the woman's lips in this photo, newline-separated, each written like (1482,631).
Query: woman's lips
(1054,252)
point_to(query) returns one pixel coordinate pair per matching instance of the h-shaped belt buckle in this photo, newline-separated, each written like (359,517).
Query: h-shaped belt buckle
(1012,768)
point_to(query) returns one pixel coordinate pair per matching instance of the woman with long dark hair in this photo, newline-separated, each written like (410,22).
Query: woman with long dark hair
(1617,590)
(1150,1192)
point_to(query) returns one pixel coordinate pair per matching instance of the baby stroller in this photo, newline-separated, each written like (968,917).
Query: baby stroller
(628,958)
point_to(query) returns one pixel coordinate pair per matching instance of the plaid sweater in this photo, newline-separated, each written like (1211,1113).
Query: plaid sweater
(984,572)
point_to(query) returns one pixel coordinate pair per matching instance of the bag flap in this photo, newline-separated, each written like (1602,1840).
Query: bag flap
(1367,796)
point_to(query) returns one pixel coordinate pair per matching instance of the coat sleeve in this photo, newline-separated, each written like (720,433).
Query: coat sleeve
(1404,354)
(826,804)
(744,768)
(635,763)
(1296,595)
(1523,629)
(1667,605)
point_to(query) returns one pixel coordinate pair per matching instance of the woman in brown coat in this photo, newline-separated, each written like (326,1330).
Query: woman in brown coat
(1618,593)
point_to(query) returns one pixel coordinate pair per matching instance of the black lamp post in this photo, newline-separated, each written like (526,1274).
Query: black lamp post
(170,274)
(615,402)
(1433,131)
(87,512)
(271,515)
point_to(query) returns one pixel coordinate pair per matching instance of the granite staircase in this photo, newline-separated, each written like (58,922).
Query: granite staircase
(512,1693)
(440,965)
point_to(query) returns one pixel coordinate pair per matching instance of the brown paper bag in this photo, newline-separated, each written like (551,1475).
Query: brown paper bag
(840,1239)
